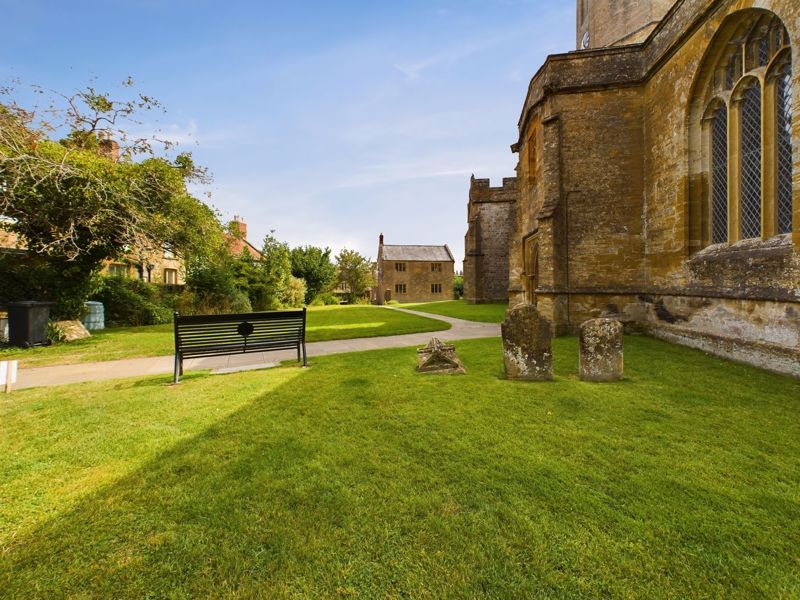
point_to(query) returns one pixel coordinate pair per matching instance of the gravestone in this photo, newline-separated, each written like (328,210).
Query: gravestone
(527,344)
(601,355)
(439,358)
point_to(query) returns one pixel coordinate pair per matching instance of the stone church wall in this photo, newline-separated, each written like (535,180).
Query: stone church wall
(491,215)
(606,203)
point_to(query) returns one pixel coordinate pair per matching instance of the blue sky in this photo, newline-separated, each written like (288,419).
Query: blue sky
(327,121)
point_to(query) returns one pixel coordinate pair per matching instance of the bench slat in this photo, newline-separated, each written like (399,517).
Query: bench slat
(218,335)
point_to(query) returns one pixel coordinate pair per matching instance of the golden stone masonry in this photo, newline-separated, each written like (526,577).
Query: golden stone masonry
(658,178)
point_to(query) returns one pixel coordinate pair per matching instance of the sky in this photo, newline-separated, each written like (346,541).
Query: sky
(328,122)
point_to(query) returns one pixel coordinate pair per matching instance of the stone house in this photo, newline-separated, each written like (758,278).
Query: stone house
(413,273)
(491,218)
(659,176)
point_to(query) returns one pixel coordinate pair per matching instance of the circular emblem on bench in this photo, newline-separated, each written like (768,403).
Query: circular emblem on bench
(245,328)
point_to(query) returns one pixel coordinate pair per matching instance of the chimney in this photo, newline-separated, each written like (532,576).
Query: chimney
(241,226)
(108,147)
(380,240)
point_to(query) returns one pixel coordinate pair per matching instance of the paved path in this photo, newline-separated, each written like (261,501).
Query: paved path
(160,365)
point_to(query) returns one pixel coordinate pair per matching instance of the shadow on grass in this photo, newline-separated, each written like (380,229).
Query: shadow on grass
(364,479)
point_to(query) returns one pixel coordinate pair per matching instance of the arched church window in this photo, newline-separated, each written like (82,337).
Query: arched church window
(750,165)
(742,120)
(719,175)
(783,154)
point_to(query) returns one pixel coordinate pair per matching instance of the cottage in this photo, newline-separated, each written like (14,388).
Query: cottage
(413,273)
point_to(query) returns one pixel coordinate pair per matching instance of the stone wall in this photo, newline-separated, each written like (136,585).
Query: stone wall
(491,215)
(417,278)
(618,22)
(608,218)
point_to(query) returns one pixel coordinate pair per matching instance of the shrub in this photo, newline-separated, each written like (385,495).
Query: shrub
(295,293)
(458,287)
(132,302)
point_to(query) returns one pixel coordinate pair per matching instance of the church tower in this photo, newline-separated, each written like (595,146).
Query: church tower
(602,23)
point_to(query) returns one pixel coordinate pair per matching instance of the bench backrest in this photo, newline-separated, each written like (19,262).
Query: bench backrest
(220,334)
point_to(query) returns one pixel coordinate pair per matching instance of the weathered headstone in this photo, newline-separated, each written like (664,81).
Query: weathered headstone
(527,344)
(601,357)
(439,358)
(72,330)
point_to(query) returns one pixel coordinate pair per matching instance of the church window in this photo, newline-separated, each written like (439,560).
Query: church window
(719,176)
(743,133)
(750,168)
(783,139)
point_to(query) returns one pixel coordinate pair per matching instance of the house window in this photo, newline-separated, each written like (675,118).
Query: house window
(118,270)
(745,121)
(171,276)
(399,288)
(169,252)
(436,267)
(400,267)
(436,288)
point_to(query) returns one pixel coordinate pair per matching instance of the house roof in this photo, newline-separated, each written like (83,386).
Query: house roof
(418,253)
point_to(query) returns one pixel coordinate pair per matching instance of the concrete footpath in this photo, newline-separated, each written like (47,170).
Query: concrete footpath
(161,365)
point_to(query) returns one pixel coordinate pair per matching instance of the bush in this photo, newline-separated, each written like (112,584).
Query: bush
(458,287)
(28,276)
(326,299)
(295,293)
(191,303)
(132,302)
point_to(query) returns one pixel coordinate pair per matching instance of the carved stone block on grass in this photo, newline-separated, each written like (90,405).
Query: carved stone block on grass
(439,358)
(72,331)
(601,353)
(527,344)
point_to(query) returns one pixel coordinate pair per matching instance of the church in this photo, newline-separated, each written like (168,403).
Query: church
(658,178)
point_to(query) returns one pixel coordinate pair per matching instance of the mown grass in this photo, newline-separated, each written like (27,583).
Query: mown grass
(485,313)
(324,323)
(358,478)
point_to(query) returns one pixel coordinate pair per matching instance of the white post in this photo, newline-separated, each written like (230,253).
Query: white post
(8,374)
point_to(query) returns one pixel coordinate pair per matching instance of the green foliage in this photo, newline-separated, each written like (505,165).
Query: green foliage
(313,264)
(277,267)
(250,277)
(295,295)
(65,283)
(74,205)
(356,271)
(211,287)
(133,302)
(458,287)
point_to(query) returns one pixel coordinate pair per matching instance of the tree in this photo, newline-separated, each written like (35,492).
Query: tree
(314,265)
(85,198)
(356,271)
(278,270)
(458,287)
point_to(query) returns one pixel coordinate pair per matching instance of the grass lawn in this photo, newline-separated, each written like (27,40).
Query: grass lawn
(358,478)
(486,313)
(324,323)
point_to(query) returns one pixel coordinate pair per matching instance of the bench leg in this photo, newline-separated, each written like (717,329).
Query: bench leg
(305,358)
(177,372)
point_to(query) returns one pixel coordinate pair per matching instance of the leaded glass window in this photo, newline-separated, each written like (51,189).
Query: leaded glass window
(763,51)
(783,155)
(750,167)
(719,176)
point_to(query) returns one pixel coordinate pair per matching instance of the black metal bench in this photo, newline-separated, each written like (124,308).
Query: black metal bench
(219,335)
